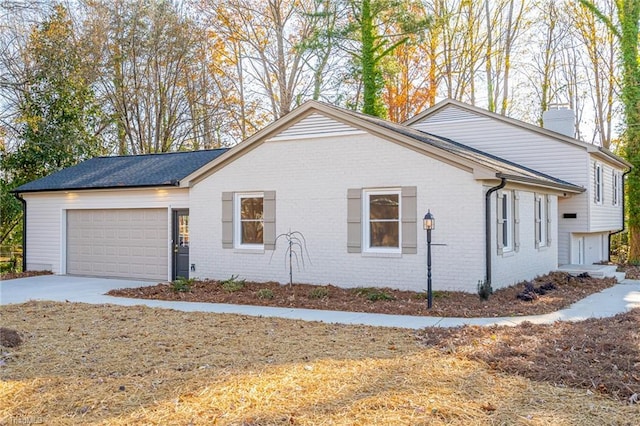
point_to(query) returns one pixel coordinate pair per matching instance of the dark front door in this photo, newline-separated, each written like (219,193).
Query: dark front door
(180,244)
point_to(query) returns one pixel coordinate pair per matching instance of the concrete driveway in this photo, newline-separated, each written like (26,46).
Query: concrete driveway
(63,288)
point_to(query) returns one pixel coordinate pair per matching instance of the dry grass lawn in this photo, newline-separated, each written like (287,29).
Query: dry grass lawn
(113,365)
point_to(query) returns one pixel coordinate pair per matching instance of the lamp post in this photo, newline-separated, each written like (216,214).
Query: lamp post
(429,223)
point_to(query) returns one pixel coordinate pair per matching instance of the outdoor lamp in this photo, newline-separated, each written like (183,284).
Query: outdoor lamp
(428,222)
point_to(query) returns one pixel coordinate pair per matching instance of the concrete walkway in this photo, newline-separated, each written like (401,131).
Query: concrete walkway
(619,298)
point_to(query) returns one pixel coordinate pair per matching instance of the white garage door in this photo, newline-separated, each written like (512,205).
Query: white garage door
(129,243)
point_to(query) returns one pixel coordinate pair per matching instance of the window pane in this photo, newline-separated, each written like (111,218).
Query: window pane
(505,223)
(384,234)
(251,208)
(251,224)
(183,230)
(384,206)
(252,232)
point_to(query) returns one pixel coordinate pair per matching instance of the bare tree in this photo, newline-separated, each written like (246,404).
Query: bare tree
(268,36)
(147,52)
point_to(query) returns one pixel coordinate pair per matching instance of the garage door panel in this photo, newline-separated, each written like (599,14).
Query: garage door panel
(130,243)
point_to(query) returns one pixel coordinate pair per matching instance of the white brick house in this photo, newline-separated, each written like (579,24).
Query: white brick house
(321,169)
(356,187)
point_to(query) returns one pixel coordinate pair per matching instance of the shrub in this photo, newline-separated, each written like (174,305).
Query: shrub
(484,289)
(319,293)
(373,294)
(265,293)
(232,284)
(182,284)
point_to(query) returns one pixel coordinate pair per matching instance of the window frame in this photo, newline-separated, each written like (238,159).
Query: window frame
(507,222)
(541,217)
(598,183)
(237,220)
(617,180)
(366,220)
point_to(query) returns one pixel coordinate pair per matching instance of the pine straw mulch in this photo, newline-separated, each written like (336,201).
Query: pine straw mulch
(600,355)
(116,365)
(503,303)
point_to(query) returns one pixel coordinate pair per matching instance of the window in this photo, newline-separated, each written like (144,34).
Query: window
(249,222)
(597,180)
(617,180)
(382,221)
(541,220)
(508,226)
(506,221)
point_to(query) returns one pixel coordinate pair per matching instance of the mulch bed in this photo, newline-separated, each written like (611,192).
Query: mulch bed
(600,355)
(632,272)
(503,303)
(13,275)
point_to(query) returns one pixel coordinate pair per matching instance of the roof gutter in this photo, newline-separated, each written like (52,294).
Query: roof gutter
(172,184)
(487,226)
(563,187)
(24,229)
(623,214)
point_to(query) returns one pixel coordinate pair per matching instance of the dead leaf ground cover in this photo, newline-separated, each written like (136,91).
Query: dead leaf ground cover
(115,365)
(503,303)
(13,275)
(632,272)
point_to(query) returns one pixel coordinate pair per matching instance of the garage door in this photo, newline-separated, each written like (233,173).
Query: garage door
(129,243)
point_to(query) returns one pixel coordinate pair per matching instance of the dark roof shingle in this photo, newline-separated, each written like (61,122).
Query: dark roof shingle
(147,170)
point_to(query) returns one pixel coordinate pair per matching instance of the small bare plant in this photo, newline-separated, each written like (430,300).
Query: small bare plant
(296,247)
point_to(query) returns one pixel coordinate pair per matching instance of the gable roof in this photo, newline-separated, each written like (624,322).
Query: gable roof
(448,103)
(132,171)
(503,168)
(483,165)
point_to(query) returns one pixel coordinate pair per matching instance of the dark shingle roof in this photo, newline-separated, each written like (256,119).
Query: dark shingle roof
(126,171)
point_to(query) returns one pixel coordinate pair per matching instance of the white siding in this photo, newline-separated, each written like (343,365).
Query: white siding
(604,216)
(545,154)
(578,205)
(46,217)
(311,180)
(536,151)
(316,125)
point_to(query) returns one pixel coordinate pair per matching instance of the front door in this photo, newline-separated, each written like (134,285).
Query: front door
(180,244)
